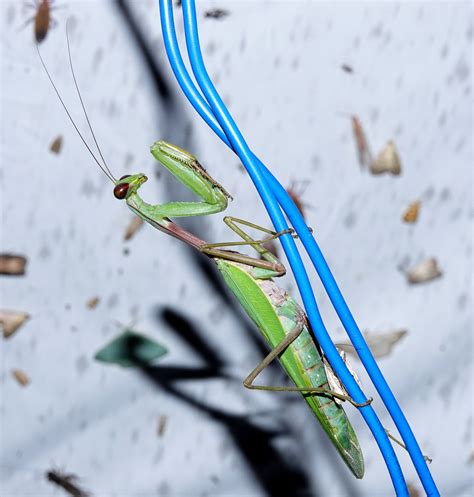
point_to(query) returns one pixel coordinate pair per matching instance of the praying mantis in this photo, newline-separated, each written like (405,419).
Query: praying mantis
(276,314)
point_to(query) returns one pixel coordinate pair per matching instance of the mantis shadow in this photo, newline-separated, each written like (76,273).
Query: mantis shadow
(275,474)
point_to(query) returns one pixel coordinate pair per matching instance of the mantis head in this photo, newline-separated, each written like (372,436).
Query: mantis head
(128,185)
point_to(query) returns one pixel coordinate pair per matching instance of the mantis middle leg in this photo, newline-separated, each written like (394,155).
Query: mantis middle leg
(212,249)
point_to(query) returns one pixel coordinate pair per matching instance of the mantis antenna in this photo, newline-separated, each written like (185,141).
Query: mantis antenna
(104,168)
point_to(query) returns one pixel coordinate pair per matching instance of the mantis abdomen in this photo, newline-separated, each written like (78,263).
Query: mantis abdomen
(276,315)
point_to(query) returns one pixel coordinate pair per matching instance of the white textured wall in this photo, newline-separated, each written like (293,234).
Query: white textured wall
(277,65)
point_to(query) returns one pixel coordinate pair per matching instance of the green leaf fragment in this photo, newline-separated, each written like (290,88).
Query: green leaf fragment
(130,349)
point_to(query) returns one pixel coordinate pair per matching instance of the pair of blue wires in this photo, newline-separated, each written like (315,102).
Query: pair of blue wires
(215,114)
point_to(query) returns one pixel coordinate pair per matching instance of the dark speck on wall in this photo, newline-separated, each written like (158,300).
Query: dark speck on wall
(350,220)
(376,31)
(445,194)
(462,301)
(112,301)
(82,364)
(315,162)
(442,119)
(88,189)
(428,193)
(462,69)
(444,51)
(44,252)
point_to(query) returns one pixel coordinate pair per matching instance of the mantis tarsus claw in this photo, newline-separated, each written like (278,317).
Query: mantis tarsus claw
(288,231)
(363,404)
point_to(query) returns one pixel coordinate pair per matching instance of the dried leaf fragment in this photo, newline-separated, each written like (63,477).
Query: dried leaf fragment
(56,145)
(425,271)
(67,482)
(10,321)
(93,302)
(12,264)
(135,224)
(162,420)
(380,344)
(411,214)
(364,154)
(21,377)
(388,161)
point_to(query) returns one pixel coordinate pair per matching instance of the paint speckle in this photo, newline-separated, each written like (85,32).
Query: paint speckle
(442,119)
(82,364)
(315,162)
(462,69)
(445,194)
(112,301)
(444,51)
(44,252)
(462,301)
(350,220)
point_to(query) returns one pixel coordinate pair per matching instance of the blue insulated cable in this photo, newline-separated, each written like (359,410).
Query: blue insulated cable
(368,413)
(308,298)
(336,297)
(324,272)
(323,269)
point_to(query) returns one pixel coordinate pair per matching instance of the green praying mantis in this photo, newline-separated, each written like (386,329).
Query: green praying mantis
(276,314)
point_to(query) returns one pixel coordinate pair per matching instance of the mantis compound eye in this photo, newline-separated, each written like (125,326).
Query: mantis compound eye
(125,176)
(120,190)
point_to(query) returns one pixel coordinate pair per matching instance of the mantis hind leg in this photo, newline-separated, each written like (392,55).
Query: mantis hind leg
(281,347)
(401,444)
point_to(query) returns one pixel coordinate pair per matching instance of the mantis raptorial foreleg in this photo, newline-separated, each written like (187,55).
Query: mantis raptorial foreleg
(211,249)
(187,169)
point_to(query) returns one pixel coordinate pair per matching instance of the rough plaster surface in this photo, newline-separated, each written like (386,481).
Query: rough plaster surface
(278,67)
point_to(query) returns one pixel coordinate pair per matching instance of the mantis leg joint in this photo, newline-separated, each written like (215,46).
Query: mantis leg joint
(363,404)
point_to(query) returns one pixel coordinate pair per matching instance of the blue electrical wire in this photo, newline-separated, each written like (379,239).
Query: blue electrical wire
(236,141)
(305,288)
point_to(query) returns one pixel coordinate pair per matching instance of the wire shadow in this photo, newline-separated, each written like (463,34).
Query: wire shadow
(161,86)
